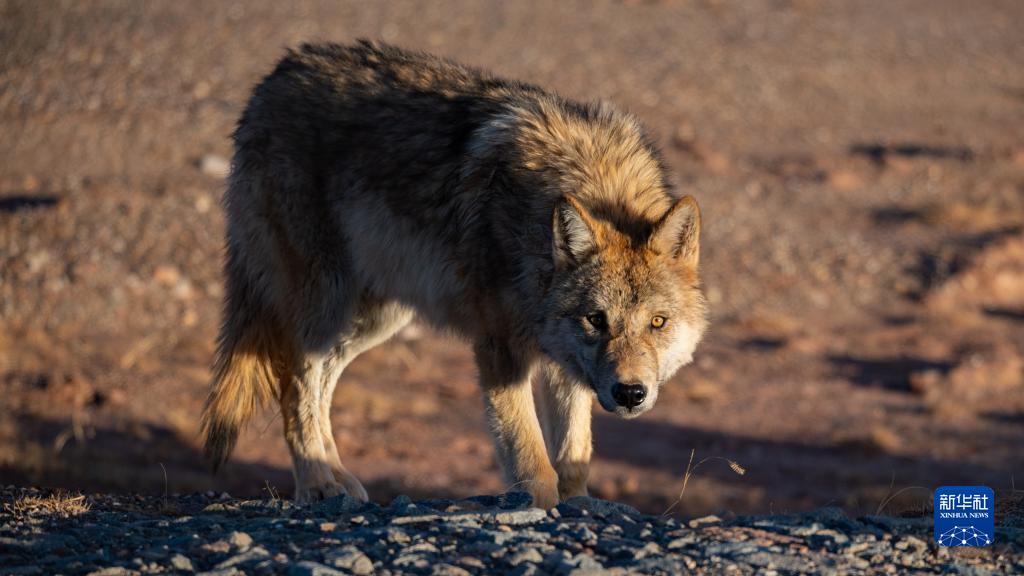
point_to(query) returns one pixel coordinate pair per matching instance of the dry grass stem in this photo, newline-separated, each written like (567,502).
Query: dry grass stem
(691,468)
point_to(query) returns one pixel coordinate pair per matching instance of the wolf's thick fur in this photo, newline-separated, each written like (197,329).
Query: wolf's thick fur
(370,183)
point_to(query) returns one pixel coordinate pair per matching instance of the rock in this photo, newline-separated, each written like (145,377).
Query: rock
(507,501)
(223,572)
(218,547)
(251,555)
(913,544)
(484,548)
(704,521)
(518,517)
(587,565)
(649,549)
(584,535)
(418,519)
(578,565)
(681,542)
(411,561)
(338,505)
(220,508)
(396,536)
(240,540)
(111,571)
(181,563)
(203,203)
(525,570)
(448,570)
(214,165)
(827,538)
(513,500)
(350,558)
(166,275)
(422,548)
(29,183)
(471,562)
(309,568)
(845,180)
(598,506)
(264,539)
(556,558)
(530,555)
(400,503)
(564,510)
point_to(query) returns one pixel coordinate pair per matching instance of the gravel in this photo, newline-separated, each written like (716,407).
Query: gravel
(43,532)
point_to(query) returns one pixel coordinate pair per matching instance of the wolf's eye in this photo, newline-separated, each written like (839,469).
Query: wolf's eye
(597,320)
(658,321)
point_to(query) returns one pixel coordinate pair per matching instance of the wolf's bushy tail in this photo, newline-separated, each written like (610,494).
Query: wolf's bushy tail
(251,353)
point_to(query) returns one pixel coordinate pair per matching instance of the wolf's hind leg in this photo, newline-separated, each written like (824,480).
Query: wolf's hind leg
(565,416)
(373,323)
(301,394)
(335,363)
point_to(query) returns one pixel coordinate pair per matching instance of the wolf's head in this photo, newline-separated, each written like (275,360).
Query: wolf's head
(625,310)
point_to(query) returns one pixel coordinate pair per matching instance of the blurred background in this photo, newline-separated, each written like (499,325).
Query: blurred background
(860,166)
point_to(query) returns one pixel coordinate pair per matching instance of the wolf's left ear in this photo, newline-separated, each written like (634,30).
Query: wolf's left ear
(678,232)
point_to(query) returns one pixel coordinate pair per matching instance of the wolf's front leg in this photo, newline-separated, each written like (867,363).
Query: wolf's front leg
(505,379)
(565,414)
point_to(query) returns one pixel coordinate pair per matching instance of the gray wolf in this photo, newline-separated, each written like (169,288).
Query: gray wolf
(370,184)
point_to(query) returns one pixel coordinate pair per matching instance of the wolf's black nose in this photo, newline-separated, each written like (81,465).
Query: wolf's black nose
(629,395)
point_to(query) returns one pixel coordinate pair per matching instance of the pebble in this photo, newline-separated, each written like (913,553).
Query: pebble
(604,507)
(214,165)
(530,555)
(308,568)
(256,553)
(352,559)
(518,517)
(182,563)
(448,570)
(240,540)
(704,521)
(218,547)
(339,505)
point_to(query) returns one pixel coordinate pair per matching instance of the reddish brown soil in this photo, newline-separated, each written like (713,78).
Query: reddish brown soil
(860,166)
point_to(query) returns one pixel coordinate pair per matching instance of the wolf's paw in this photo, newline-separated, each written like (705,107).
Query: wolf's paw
(567,492)
(544,491)
(310,494)
(544,497)
(352,486)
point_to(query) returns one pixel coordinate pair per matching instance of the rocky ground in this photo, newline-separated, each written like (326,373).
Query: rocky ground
(56,533)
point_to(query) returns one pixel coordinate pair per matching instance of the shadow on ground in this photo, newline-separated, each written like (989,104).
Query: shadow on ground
(149,459)
(859,477)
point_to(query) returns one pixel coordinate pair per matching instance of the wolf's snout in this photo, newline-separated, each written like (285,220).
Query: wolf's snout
(629,395)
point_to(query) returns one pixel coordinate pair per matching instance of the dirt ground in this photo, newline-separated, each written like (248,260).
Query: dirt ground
(860,166)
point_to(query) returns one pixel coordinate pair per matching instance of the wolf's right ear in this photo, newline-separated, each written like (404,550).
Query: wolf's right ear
(572,233)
